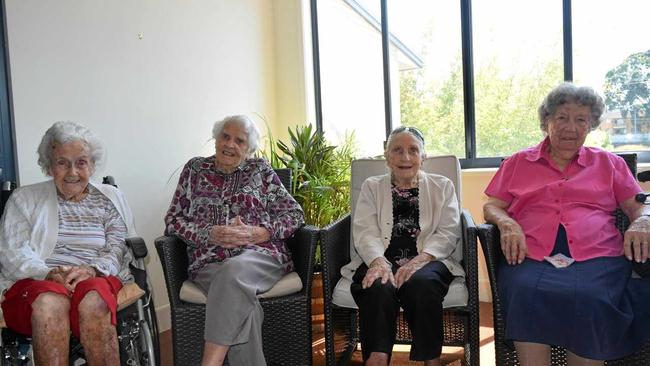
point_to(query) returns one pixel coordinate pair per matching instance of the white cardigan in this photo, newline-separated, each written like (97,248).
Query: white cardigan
(372,225)
(30,227)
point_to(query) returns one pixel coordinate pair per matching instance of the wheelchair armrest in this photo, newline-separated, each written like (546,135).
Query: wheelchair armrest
(302,245)
(138,246)
(172,252)
(470,255)
(335,252)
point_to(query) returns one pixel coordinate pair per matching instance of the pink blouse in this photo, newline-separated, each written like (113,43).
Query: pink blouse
(582,198)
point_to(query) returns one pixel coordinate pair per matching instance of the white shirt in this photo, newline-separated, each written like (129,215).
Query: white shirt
(372,225)
(29,230)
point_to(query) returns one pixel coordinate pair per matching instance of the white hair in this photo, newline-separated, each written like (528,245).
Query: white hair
(67,131)
(252,133)
(417,135)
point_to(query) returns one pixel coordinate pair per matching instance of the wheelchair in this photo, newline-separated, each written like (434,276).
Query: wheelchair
(137,326)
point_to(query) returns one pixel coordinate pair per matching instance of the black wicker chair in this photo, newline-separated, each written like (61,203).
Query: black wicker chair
(504,351)
(461,324)
(286,330)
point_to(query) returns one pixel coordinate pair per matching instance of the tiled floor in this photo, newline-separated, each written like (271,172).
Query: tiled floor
(450,356)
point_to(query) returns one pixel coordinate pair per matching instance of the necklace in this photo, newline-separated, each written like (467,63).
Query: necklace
(414,183)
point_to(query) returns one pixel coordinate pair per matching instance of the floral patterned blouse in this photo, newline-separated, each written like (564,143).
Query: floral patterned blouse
(206,196)
(406,226)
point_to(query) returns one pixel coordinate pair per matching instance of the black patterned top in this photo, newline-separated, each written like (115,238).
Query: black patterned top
(406,226)
(206,196)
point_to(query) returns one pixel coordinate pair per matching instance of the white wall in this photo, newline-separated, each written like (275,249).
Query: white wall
(149,77)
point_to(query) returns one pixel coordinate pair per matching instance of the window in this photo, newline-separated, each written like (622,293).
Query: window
(352,88)
(471,74)
(612,54)
(517,60)
(426,72)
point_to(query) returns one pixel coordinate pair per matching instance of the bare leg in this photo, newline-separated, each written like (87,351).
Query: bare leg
(213,354)
(51,329)
(98,335)
(575,360)
(434,362)
(377,359)
(533,354)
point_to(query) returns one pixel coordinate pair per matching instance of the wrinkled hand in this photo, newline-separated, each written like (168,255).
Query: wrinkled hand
(70,276)
(57,274)
(513,242)
(379,268)
(77,274)
(406,271)
(636,242)
(237,234)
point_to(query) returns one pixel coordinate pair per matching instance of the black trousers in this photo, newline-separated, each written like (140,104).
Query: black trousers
(420,297)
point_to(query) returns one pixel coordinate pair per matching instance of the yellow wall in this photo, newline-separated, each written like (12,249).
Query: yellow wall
(474,182)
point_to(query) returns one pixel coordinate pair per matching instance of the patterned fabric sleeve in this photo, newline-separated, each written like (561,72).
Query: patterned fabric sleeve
(285,214)
(178,220)
(111,257)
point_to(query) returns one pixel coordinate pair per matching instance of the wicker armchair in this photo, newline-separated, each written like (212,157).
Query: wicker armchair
(286,330)
(504,351)
(461,323)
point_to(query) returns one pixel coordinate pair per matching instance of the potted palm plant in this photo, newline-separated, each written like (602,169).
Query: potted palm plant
(321,184)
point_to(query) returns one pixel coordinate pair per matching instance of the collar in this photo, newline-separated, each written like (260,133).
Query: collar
(209,163)
(541,152)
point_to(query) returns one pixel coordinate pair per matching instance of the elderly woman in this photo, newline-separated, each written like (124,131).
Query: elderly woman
(566,280)
(234,214)
(406,231)
(64,257)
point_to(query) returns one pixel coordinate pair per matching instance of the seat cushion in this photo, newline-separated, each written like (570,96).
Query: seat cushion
(128,294)
(288,284)
(456,296)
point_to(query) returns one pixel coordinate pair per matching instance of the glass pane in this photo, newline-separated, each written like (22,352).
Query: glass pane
(352,84)
(612,55)
(517,61)
(426,72)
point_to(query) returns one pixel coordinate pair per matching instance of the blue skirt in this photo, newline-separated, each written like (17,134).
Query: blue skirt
(592,308)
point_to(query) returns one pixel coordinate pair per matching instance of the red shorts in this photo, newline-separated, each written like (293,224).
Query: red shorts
(17,305)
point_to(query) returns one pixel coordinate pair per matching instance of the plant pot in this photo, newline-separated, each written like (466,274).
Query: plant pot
(317,312)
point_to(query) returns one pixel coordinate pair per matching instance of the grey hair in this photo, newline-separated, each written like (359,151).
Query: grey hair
(570,93)
(411,131)
(252,132)
(67,131)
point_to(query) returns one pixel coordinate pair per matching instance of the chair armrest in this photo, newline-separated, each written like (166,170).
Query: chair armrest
(138,246)
(470,255)
(490,238)
(302,245)
(172,252)
(335,252)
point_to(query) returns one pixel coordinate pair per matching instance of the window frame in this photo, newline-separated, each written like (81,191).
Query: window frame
(470,160)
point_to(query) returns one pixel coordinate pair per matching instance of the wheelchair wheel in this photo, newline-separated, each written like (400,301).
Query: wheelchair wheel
(15,350)
(151,336)
(138,337)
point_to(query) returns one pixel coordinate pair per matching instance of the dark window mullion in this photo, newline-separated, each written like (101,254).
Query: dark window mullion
(8,163)
(468,78)
(567,35)
(385,50)
(315,49)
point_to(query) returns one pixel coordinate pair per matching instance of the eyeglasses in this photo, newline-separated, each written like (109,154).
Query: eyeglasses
(414,131)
